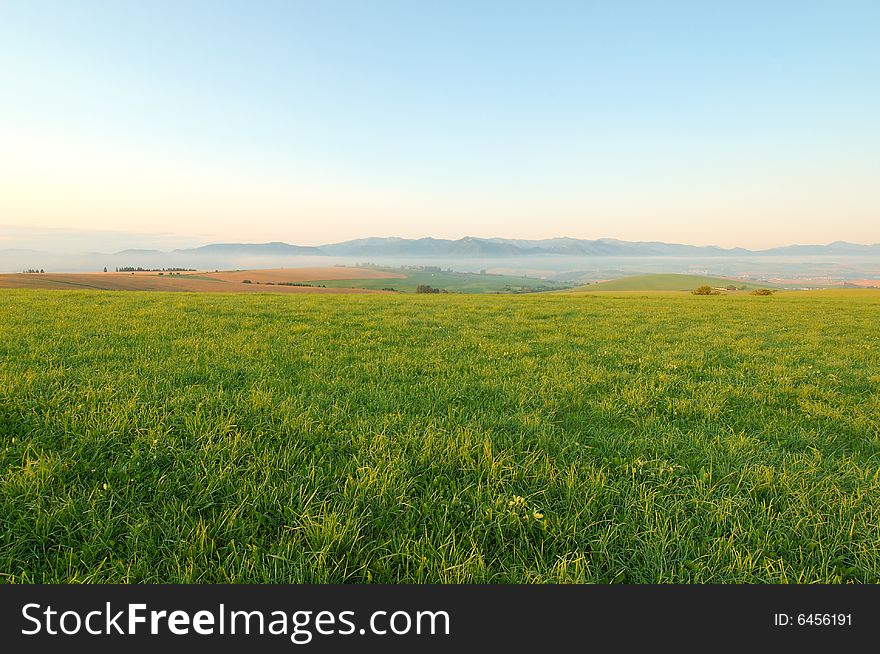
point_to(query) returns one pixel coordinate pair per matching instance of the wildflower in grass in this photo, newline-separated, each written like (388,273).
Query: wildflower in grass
(537,515)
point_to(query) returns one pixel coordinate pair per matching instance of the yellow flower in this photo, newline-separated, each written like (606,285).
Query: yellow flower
(537,515)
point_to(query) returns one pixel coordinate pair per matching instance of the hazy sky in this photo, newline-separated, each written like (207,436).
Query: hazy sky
(731,123)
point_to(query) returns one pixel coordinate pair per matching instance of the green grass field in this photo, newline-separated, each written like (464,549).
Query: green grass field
(669,282)
(153,437)
(454,282)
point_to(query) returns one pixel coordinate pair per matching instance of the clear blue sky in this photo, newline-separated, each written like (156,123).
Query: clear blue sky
(736,123)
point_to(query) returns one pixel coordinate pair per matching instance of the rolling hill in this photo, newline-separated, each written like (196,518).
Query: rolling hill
(669,283)
(283,280)
(328,279)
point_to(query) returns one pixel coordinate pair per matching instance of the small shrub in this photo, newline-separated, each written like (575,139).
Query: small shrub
(762,291)
(246,281)
(702,290)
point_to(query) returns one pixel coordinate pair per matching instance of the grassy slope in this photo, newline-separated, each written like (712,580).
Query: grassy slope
(231,281)
(670,282)
(225,281)
(176,437)
(456,282)
(146,282)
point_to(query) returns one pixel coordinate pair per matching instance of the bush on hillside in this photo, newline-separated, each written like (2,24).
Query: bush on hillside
(702,290)
(762,291)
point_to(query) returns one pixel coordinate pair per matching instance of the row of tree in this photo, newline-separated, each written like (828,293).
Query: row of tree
(424,288)
(139,269)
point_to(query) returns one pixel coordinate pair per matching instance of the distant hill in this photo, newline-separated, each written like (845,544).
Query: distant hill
(611,247)
(837,248)
(543,257)
(500,247)
(423,247)
(276,248)
(471,247)
(668,283)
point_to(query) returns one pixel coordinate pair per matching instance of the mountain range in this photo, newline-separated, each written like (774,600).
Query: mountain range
(502,247)
(563,258)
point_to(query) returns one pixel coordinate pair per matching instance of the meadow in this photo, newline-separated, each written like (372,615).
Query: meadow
(273,280)
(453,282)
(565,437)
(323,280)
(672,282)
